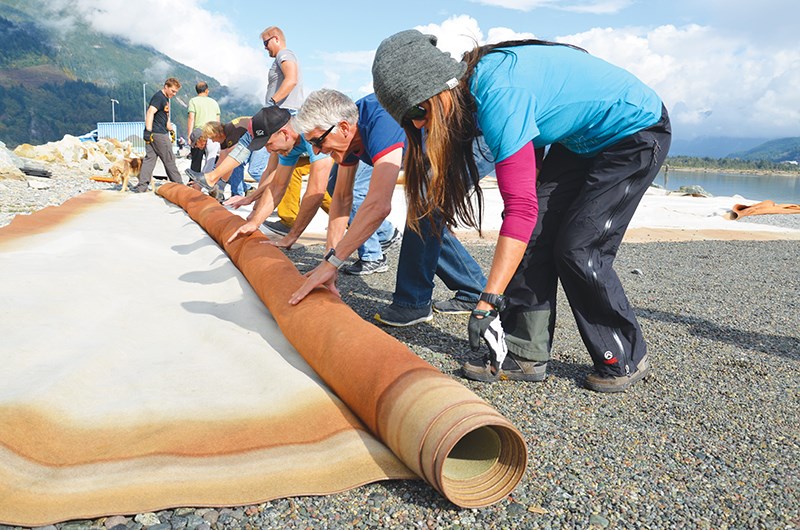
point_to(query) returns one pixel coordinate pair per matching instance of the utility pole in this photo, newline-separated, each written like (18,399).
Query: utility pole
(144,103)
(113,118)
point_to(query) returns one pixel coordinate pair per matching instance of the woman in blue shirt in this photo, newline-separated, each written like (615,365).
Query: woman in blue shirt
(564,219)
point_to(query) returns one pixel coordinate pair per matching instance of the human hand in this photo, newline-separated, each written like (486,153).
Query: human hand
(172,135)
(148,136)
(235,201)
(324,275)
(284,242)
(245,230)
(486,325)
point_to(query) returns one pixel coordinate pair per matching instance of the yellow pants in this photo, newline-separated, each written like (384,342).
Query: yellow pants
(290,204)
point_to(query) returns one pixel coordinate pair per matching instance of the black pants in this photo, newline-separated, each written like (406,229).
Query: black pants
(585,206)
(196,155)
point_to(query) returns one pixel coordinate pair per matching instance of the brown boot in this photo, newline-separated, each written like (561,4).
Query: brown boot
(620,383)
(514,368)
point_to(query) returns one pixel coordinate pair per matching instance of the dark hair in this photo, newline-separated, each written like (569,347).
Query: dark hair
(201,87)
(445,179)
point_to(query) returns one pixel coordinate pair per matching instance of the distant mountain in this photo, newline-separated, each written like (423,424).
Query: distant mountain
(713,147)
(780,150)
(57,80)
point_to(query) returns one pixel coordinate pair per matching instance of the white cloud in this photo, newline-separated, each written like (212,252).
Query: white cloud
(712,83)
(461,33)
(185,32)
(596,7)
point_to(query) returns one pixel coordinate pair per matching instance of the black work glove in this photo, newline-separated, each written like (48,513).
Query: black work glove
(486,325)
(148,136)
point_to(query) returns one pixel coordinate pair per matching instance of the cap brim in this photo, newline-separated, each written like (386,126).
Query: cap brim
(258,143)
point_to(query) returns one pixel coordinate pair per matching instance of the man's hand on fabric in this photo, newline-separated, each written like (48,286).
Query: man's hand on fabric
(236,201)
(324,275)
(245,230)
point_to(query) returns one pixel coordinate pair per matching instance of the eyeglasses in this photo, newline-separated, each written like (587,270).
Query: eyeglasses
(269,39)
(417,112)
(317,142)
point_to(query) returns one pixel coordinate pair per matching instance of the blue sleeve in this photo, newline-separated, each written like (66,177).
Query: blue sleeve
(301,149)
(385,136)
(380,133)
(507,117)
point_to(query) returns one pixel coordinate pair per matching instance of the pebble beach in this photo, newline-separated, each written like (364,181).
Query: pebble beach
(711,440)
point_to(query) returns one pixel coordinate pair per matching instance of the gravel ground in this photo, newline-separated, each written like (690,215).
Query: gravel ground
(710,440)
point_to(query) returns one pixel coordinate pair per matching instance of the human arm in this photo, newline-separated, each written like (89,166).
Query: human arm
(516,179)
(147,134)
(269,195)
(376,207)
(290,75)
(190,123)
(338,215)
(311,201)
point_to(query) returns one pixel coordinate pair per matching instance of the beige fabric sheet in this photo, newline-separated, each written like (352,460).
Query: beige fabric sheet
(141,371)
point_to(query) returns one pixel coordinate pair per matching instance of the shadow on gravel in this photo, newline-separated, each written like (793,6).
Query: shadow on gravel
(788,347)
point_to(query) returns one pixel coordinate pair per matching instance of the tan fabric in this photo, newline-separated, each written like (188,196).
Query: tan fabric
(140,372)
(761,208)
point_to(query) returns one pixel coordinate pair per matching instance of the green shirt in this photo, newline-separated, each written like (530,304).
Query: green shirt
(205,110)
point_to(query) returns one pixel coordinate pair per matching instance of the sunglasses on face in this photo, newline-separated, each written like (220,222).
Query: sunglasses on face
(417,112)
(267,40)
(317,142)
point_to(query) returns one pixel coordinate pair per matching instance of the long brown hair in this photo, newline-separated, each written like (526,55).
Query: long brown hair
(445,179)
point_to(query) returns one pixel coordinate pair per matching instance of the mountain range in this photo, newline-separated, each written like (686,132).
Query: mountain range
(58,79)
(773,150)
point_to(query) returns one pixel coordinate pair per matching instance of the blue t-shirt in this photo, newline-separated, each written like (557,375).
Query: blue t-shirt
(380,134)
(557,94)
(299,150)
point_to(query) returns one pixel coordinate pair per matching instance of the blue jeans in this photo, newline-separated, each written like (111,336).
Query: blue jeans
(256,164)
(370,250)
(424,256)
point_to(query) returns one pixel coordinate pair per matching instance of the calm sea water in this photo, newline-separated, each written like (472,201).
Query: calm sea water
(778,188)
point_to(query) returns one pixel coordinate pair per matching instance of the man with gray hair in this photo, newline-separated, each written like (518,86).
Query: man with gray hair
(363,130)
(380,155)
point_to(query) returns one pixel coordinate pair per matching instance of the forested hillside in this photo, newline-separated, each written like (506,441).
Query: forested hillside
(779,150)
(54,83)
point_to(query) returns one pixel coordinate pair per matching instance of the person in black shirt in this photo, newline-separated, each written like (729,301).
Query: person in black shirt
(157,132)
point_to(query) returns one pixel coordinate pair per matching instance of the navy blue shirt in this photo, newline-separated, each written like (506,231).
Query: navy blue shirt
(380,133)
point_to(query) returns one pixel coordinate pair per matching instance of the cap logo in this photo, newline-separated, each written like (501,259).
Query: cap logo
(451,83)
(260,132)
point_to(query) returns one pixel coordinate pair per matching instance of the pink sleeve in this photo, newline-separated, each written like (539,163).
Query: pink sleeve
(516,179)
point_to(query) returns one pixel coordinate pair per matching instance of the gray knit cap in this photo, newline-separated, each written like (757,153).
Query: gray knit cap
(409,68)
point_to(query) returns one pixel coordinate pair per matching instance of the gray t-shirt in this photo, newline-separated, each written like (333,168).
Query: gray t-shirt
(275,78)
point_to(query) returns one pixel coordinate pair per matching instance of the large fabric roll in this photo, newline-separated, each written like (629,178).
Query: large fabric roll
(436,426)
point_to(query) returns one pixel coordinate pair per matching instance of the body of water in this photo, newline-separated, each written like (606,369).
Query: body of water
(778,188)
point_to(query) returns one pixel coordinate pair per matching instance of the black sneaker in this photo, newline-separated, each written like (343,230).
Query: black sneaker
(454,306)
(397,236)
(278,227)
(514,368)
(621,383)
(365,268)
(399,317)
